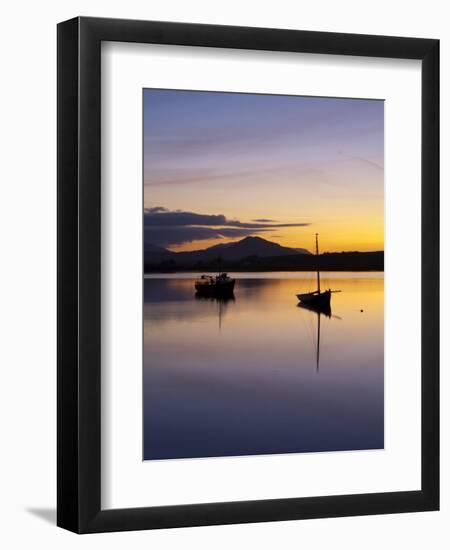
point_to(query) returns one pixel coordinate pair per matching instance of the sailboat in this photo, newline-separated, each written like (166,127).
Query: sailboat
(317,300)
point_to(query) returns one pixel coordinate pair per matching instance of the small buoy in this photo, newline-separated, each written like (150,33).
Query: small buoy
(361,310)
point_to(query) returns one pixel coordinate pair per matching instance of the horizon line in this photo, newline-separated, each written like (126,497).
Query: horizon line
(167,248)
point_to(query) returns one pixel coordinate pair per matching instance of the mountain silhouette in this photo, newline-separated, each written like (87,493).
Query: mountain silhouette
(234,251)
(257,254)
(156,254)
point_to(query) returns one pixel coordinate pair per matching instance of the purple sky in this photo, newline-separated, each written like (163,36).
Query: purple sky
(312,164)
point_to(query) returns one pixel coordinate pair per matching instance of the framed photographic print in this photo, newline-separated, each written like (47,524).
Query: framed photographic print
(248,305)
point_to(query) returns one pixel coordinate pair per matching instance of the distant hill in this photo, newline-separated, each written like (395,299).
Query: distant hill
(156,254)
(234,251)
(257,254)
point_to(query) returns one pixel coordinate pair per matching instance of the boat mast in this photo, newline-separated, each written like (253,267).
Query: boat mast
(317,254)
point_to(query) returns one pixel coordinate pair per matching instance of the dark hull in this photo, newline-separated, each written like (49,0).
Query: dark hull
(219,289)
(316,300)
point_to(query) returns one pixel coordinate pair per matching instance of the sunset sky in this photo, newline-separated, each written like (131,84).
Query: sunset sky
(221,166)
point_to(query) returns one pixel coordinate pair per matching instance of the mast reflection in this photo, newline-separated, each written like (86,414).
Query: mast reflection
(221,301)
(319,310)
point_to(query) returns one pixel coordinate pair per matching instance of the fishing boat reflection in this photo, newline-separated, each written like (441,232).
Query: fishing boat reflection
(221,301)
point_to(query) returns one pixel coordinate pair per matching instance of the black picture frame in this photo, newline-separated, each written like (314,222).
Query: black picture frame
(79,281)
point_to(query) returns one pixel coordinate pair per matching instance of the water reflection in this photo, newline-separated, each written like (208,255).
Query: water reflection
(319,310)
(256,374)
(221,303)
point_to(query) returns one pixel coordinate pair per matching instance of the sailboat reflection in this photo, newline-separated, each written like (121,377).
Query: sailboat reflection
(325,310)
(221,301)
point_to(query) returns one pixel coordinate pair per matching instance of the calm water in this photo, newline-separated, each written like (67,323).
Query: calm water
(241,377)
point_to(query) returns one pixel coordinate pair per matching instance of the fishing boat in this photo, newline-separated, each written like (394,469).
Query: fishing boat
(317,299)
(215,285)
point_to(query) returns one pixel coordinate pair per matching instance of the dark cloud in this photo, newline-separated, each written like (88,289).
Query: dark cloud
(176,235)
(165,227)
(166,218)
(163,218)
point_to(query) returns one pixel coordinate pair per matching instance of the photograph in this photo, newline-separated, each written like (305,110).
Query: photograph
(263,291)
(248,255)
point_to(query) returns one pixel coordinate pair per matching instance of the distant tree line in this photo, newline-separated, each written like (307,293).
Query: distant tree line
(332,261)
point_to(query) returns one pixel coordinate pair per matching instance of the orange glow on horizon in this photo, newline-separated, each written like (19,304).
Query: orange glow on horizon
(361,239)
(222,166)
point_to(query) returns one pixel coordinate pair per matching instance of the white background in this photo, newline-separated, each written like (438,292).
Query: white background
(127,481)
(28,244)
